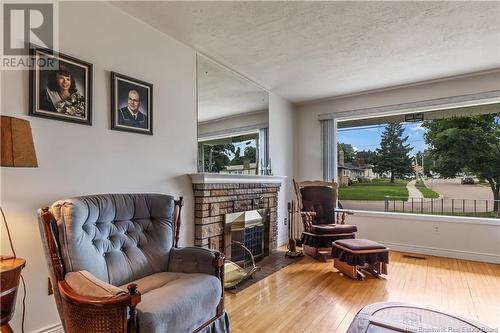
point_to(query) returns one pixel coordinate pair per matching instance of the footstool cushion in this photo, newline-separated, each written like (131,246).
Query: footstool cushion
(360,244)
(358,252)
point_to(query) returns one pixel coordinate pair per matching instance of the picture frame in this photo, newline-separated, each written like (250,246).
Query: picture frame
(131,104)
(60,86)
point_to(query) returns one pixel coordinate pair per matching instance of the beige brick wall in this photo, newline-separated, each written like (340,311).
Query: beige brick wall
(214,201)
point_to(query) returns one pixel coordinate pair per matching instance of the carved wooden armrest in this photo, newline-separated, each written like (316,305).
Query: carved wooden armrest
(89,313)
(70,294)
(312,214)
(341,216)
(219,260)
(308,219)
(218,263)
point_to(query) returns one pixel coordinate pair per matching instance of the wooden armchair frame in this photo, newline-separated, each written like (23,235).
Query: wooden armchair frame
(103,314)
(308,219)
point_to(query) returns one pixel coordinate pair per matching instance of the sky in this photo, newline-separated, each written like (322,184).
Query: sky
(368,137)
(242,145)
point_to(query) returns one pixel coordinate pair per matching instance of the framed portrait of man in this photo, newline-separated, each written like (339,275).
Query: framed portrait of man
(131,104)
(60,86)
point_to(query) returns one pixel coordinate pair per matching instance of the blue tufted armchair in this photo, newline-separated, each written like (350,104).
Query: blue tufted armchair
(115,267)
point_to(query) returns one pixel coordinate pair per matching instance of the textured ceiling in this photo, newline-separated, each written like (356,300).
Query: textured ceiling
(222,93)
(309,50)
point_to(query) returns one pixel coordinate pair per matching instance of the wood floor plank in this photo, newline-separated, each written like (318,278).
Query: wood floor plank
(312,296)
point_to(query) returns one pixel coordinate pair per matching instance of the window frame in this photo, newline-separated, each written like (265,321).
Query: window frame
(329,135)
(260,146)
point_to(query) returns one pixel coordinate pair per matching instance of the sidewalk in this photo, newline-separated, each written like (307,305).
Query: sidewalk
(413,192)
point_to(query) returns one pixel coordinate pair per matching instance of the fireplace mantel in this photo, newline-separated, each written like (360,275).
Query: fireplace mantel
(221,178)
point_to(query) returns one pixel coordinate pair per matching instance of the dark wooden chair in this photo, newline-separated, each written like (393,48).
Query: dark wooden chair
(121,226)
(323,223)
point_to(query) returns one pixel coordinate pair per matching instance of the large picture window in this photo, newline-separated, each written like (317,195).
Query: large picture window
(444,162)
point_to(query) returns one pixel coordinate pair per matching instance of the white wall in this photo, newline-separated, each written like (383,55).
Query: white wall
(254,120)
(453,237)
(281,142)
(77,159)
(456,238)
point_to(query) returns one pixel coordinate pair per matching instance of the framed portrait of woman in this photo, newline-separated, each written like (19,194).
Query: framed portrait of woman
(131,104)
(60,86)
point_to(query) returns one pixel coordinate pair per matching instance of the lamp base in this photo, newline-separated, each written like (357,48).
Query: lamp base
(10,273)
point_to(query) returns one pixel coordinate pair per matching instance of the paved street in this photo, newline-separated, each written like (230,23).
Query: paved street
(452,189)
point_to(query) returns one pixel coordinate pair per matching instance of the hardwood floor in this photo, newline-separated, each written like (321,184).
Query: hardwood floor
(309,296)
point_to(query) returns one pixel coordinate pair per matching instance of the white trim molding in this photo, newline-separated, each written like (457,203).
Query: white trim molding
(490,97)
(427,217)
(441,252)
(252,129)
(221,178)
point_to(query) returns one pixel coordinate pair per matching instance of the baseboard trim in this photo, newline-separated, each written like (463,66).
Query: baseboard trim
(54,328)
(440,252)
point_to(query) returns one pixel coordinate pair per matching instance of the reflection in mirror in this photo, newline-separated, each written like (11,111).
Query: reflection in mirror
(233,122)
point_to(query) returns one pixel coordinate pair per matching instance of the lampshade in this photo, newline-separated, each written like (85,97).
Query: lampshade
(17,149)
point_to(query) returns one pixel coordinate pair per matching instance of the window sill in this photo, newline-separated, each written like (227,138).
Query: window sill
(428,218)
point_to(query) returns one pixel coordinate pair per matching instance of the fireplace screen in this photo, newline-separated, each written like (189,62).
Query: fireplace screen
(250,229)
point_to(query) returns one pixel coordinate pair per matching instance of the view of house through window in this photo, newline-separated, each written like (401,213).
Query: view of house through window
(440,162)
(232,155)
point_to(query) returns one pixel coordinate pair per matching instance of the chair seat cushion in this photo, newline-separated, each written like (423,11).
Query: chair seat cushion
(153,281)
(177,302)
(360,244)
(325,229)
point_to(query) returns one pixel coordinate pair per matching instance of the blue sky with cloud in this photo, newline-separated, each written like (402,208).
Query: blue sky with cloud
(368,137)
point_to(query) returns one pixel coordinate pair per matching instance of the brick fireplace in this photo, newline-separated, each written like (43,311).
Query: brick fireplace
(216,195)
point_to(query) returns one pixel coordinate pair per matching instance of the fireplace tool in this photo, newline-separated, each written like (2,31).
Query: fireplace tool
(234,274)
(292,243)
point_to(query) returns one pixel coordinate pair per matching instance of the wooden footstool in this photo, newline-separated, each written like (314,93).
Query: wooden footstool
(355,257)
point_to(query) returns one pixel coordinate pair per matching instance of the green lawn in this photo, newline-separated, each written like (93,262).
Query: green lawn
(375,190)
(426,192)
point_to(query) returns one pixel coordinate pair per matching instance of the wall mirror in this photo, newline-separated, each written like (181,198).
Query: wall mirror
(233,122)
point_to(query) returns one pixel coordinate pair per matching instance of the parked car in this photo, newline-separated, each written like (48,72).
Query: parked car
(467,180)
